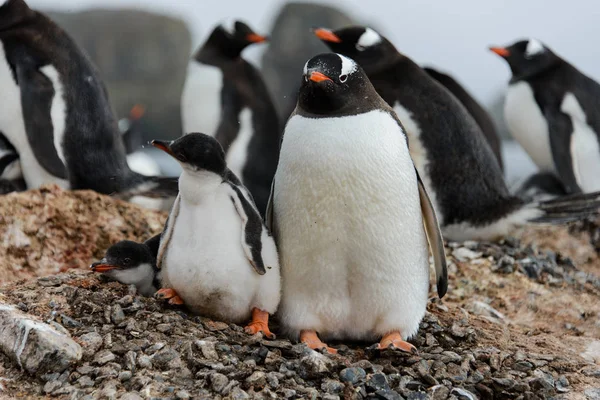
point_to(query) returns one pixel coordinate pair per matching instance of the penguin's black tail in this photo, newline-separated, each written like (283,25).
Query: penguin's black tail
(567,208)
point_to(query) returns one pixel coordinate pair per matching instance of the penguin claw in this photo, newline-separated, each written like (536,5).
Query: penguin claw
(312,341)
(394,341)
(259,323)
(169,294)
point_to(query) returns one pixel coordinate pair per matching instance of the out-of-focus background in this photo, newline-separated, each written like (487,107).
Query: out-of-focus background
(142,47)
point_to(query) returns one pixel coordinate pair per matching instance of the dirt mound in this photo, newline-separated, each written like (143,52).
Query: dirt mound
(50,230)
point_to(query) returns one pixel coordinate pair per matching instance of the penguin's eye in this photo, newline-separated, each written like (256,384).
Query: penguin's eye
(360,48)
(127,261)
(343,78)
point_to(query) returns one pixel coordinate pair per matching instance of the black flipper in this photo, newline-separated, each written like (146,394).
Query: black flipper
(568,208)
(252,226)
(434,236)
(37,93)
(167,233)
(560,129)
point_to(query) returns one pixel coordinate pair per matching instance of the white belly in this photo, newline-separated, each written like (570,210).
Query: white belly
(352,247)
(13,127)
(201,99)
(528,125)
(205,263)
(585,149)
(238,151)
(418,153)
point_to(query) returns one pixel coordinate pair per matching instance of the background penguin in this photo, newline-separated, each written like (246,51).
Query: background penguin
(552,110)
(451,154)
(240,113)
(215,253)
(349,214)
(132,263)
(11,176)
(481,116)
(55,110)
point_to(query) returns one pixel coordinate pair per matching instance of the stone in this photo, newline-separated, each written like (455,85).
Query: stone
(33,345)
(592,394)
(504,383)
(144,361)
(238,394)
(562,384)
(316,363)
(463,254)
(164,357)
(125,376)
(389,394)
(208,349)
(117,315)
(90,343)
(103,357)
(52,386)
(129,359)
(439,392)
(258,379)
(332,386)
(377,382)
(130,396)
(352,375)
(463,394)
(85,381)
(218,382)
(182,395)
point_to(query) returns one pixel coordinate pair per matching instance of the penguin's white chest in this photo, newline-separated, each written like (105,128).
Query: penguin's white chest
(12,125)
(205,263)
(201,99)
(237,153)
(350,234)
(528,125)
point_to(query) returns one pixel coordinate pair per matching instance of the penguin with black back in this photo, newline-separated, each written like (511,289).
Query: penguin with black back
(132,263)
(553,110)
(457,165)
(216,256)
(481,116)
(225,97)
(350,215)
(56,113)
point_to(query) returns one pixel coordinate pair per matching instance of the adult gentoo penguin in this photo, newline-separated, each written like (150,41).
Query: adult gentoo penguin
(447,146)
(350,215)
(481,116)
(552,110)
(225,97)
(215,253)
(132,263)
(55,109)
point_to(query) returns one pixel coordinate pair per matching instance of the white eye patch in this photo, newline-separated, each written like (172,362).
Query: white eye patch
(534,47)
(229,26)
(369,38)
(348,65)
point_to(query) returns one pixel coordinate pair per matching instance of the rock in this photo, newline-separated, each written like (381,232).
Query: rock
(144,361)
(238,394)
(463,254)
(523,366)
(218,382)
(316,363)
(463,394)
(562,384)
(85,382)
(208,349)
(332,386)
(130,396)
(215,326)
(288,393)
(52,386)
(90,343)
(103,357)
(117,315)
(377,382)
(125,376)
(164,357)
(182,395)
(541,384)
(258,379)
(504,383)
(352,375)
(34,345)
(439,392)
(291,44)
(592,394)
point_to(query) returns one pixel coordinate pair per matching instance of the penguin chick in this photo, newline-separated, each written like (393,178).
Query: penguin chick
(350,215)
(215,252)
(130,263)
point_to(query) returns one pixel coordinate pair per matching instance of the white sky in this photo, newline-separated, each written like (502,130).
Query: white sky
(451,35)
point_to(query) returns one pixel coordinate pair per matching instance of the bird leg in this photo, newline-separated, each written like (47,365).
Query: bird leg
(259,323)
(169,294)
(394,340)
(311,339)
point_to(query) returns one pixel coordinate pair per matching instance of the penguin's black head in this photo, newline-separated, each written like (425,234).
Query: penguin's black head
(124,255)
(229,39)
(333,84)
(371,50)
(196,152)
(527,57)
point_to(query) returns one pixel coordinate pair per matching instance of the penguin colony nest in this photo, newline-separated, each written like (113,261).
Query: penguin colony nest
(134,347)
(50,230)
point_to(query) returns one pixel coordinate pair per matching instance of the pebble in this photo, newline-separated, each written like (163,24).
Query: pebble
(463,394)
(377,382)
(103,357)
(117,315)
(439,392)
(562,384)
(125,376)
(238,394)
(85,381)
(164,357)
(130,396)
(352,375)
(144,361)
(218,382)
(258,379)
(288,393)
(592,394)
(208,349)
(332,386)
(52,386)
(417,396)
(316,363)
(463,254)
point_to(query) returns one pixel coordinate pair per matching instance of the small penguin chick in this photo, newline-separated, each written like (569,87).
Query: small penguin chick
(130,263)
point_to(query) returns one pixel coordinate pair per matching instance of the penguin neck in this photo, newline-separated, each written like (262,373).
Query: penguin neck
(196,187)
(13,12)
(390,62)
(213,53)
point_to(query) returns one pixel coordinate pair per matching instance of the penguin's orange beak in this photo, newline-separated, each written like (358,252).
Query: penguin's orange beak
(327,35)
(501,51)
(100,267)
(316,76)
(137,112)
(256,38)
(164,146)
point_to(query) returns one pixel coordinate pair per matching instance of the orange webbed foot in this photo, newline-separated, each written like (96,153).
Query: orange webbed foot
(394,340)
(169,294)
(311,339)
(259,323)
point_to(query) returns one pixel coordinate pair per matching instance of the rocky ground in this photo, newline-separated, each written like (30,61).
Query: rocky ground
(519,321)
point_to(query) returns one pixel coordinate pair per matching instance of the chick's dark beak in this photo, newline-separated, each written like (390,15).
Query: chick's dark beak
(316,76)
(256,38)
(326,35)
(101,266)
(164,146)
(501,51)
